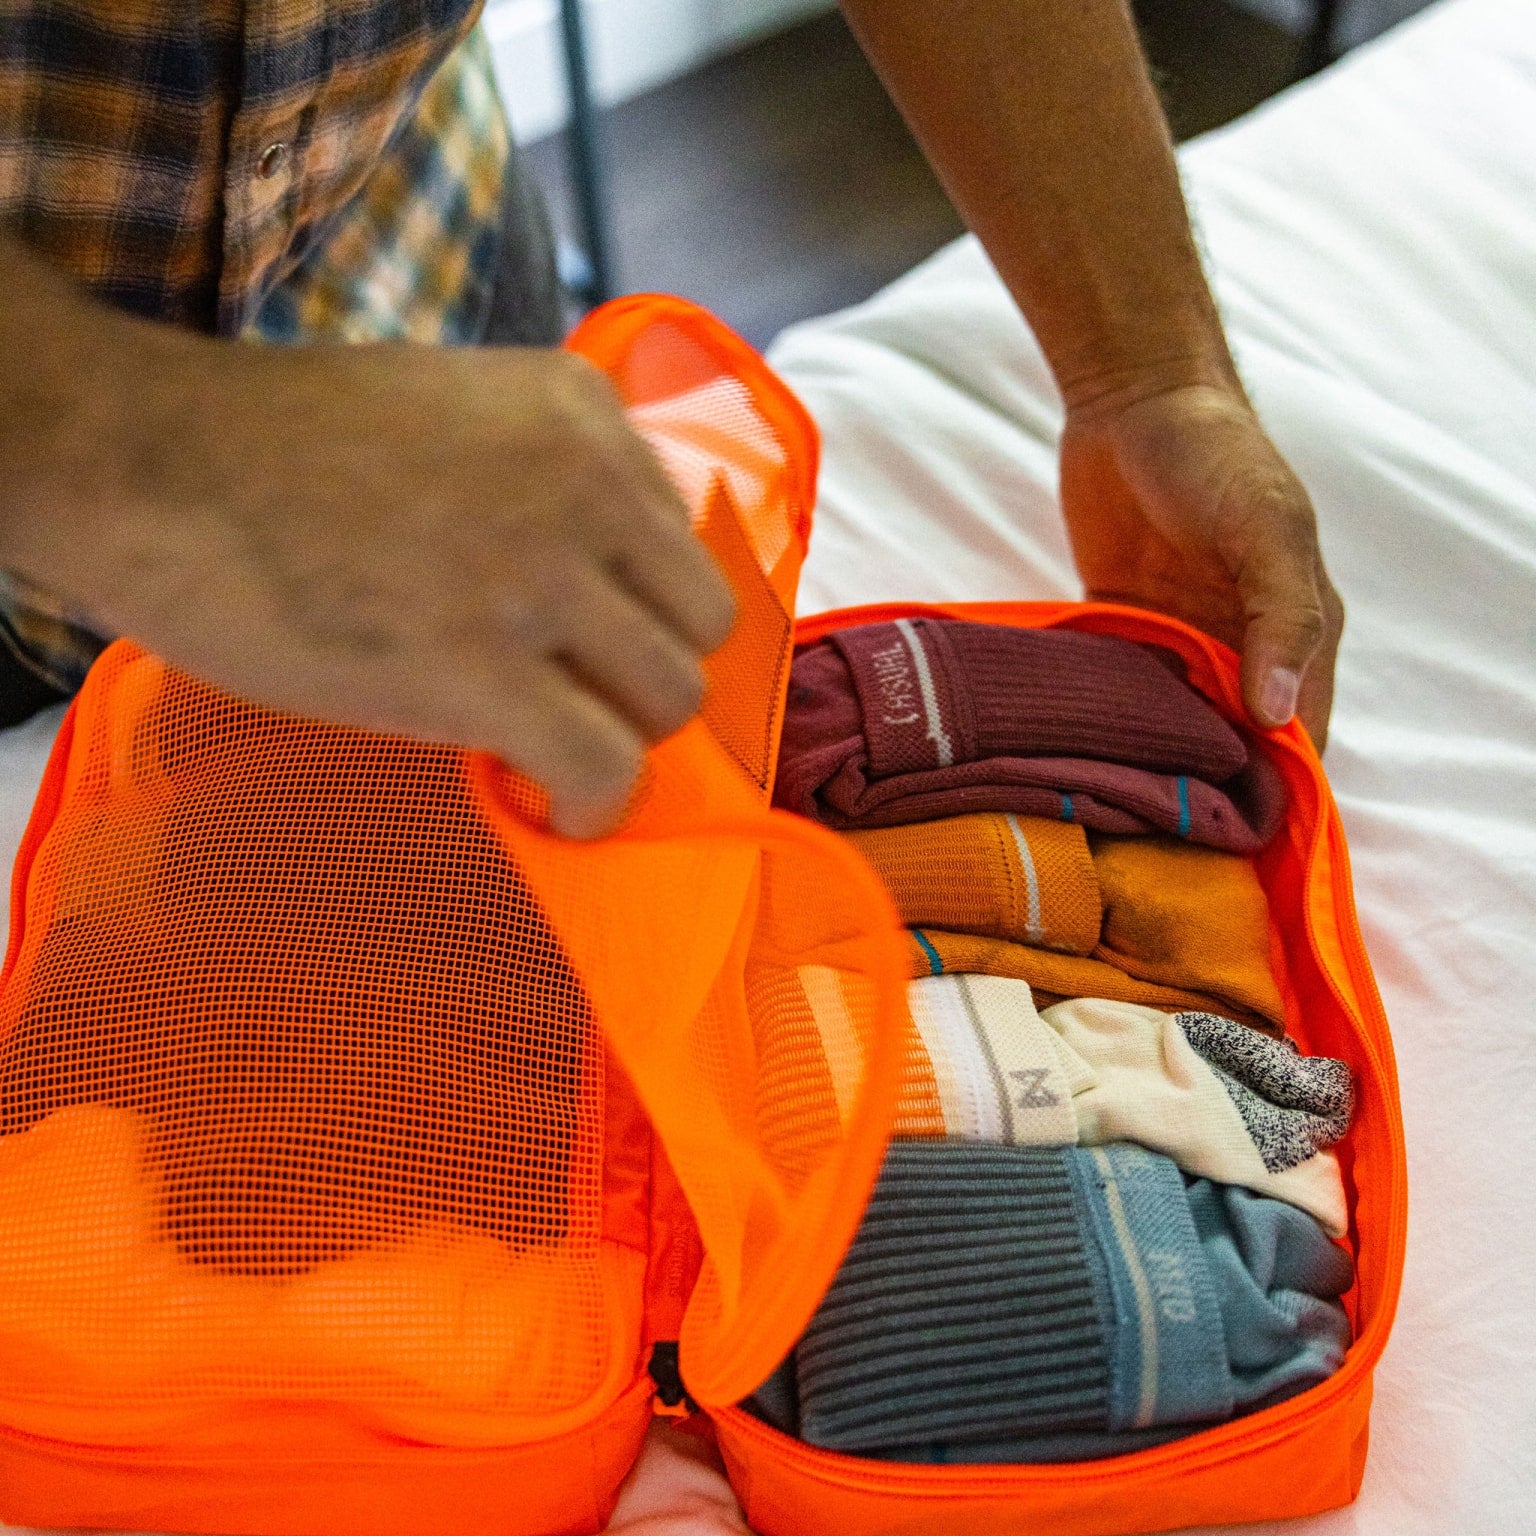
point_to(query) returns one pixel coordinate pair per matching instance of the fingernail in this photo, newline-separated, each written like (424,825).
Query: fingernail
(1277,697)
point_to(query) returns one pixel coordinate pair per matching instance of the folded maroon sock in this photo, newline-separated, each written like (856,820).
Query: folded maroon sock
(920,718)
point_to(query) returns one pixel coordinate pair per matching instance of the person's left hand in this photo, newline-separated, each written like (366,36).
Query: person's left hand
(1179,502)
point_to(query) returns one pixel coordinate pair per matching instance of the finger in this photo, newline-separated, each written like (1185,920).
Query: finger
(630,659)
(1276,578)
(631,461)
(543,723)
(673,574)
(1315,703)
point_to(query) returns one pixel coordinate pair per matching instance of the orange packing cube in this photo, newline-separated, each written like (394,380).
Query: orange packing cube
(375,1163)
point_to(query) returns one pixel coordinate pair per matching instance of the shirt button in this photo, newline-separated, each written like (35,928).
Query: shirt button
(272,160)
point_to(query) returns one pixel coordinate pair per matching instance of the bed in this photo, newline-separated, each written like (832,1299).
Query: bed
(1372,236)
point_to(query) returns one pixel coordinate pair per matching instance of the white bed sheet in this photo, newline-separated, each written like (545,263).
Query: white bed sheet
(1372,237)
(1373,241)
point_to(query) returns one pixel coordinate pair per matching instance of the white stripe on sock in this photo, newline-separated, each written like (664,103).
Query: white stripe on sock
(1007,1130)
(1146,1309)
(936,732)
(967,1092)
(1032,925)
(839,1035)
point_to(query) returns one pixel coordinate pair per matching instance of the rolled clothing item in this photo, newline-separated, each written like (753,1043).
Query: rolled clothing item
(777,1403)
(894,723)
(1276,1285)
(1152,1083)
(1035,1450)
(983,1065)
(1013,1300)
(1278,1279)
(101,1303)
(1010,877)
(994,1291)
(1186,916)
(1053,977)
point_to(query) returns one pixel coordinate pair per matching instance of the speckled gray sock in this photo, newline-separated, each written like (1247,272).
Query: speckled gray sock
(1293,1105)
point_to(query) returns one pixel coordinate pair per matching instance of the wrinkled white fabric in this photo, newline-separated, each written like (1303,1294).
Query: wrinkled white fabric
(1372,237)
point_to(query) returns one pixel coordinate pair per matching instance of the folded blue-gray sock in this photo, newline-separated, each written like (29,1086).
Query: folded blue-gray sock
(994,1291)
(1277,1277)
(1057,1303)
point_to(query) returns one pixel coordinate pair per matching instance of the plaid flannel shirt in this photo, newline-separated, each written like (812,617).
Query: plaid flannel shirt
(278,170)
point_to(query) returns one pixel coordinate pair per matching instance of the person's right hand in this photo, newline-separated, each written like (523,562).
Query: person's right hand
(468,546)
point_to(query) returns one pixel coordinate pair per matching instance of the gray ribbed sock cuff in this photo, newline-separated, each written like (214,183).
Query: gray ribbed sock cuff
(972,1304)
(993,1292)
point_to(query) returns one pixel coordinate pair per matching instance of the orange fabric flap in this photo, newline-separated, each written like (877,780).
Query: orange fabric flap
(708,930)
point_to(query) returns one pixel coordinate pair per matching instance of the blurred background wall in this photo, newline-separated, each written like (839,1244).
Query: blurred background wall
(754,163)
(638,45)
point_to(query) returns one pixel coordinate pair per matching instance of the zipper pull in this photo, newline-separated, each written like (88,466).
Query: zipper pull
(670,1391)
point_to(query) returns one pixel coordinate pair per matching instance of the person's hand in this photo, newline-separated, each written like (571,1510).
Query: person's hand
(468,546)
(1178,501)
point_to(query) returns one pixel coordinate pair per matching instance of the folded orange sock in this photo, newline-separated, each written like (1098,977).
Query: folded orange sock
(1011,877)
(1053,977)
(1182,916)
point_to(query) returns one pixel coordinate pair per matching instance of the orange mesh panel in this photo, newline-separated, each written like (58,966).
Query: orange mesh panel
(712,410)
(301,1098)
(777,1216)
(1012,877)
(706,927)
(796,1036)
(1179,914)
(704,955)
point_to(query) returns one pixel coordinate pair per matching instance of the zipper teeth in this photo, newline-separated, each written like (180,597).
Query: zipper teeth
(1220,1444)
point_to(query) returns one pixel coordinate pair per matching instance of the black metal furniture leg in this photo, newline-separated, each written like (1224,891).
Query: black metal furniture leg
(1317,46)
(589,170)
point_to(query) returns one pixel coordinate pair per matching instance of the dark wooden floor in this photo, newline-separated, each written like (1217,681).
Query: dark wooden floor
(780,182)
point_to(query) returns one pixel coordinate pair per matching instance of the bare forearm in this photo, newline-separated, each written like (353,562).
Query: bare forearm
(80,388)
(1040,118)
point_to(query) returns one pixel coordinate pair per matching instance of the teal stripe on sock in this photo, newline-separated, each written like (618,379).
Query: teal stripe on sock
(1183,806)
(935,963)
(1066,807)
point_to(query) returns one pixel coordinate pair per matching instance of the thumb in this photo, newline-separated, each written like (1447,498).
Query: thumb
(1277,582)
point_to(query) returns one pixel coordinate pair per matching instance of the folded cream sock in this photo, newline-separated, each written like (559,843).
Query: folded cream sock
(984,1065)
(986,1057)
(1154,1087)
